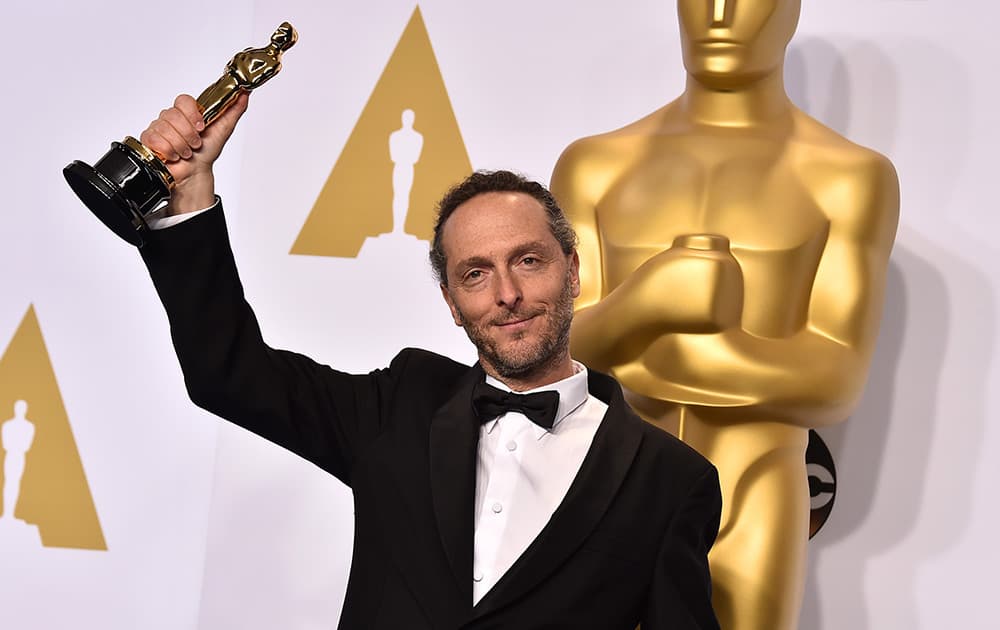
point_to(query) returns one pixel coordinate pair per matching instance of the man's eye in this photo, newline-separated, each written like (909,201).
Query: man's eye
(529,260)
(475,274)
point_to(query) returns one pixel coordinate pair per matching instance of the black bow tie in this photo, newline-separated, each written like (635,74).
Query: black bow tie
(490,402)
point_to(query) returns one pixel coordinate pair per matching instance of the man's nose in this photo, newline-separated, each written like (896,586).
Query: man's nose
(721,11)
(508,290)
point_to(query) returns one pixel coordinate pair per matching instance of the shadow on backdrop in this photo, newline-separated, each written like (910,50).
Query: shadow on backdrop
(885,451)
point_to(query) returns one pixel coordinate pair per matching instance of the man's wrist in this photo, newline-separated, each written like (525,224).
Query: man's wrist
(161,220)
(195,193)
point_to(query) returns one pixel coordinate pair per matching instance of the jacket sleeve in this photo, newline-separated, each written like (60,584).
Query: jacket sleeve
(680,596)
(321,414)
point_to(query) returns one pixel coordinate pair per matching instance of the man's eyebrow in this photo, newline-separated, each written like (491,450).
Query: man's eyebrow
(533,246)
(483,261)
(473,261)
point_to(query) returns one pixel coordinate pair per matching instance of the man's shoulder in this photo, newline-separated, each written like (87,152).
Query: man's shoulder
(416,366)
(658,445)
(422,380)
(672,450)
(418,358)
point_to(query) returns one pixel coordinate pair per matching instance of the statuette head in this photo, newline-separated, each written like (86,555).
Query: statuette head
(731,43)
(284,37)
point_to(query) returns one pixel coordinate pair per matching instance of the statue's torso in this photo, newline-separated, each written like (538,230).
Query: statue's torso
(747,190)
(253,66)
(766,194)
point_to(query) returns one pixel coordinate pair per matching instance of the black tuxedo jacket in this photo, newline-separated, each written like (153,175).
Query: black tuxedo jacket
(628,543)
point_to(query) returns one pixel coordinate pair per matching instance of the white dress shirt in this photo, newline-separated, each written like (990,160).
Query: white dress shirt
(523,472)
(156,221)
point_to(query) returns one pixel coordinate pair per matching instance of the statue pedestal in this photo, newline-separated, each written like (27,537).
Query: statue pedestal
(394,244)
(17,534)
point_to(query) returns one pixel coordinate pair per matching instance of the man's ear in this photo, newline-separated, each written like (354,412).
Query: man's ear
(574,274)
(455,314)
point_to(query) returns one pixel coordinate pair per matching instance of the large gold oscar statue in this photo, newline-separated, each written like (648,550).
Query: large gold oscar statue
(733,258)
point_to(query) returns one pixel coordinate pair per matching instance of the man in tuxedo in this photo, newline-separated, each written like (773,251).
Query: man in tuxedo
(521,492)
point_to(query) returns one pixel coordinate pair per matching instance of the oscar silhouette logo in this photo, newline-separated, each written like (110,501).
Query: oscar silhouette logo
(46,499)
(404,152)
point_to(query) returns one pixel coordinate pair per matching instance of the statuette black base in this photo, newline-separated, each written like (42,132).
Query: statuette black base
(121,189)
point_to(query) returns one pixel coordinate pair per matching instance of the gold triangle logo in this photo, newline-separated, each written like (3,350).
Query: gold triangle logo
(404,152)
(46,499)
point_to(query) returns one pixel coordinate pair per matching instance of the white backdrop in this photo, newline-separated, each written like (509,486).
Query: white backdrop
(208,527)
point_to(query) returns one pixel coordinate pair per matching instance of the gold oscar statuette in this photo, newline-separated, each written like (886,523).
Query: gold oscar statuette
(131,181)
(733,256)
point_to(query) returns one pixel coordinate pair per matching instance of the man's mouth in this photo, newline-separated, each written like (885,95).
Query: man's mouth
(515,324)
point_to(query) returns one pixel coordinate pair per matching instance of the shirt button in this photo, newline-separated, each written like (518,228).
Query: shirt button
(477,576)
(511,446)
(497,508)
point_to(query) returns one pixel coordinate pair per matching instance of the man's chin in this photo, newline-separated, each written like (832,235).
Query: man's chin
(514,364)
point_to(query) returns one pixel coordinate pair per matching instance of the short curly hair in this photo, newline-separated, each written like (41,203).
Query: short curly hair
(482,182)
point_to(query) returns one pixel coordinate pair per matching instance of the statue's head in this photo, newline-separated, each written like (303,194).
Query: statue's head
(730,43)
(284,37)
(20,408)
(407,117)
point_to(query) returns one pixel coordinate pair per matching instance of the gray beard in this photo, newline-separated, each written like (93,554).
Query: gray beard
(551,347)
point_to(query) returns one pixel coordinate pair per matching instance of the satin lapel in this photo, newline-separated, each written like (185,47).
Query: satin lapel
(454,439)
(588,498)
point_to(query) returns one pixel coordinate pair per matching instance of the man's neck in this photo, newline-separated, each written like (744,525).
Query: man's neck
(761,102)
(552,372)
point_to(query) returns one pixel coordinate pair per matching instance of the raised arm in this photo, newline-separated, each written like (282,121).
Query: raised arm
(321,414)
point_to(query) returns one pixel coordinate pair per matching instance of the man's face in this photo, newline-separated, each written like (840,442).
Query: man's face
(728,43)
(509,283)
